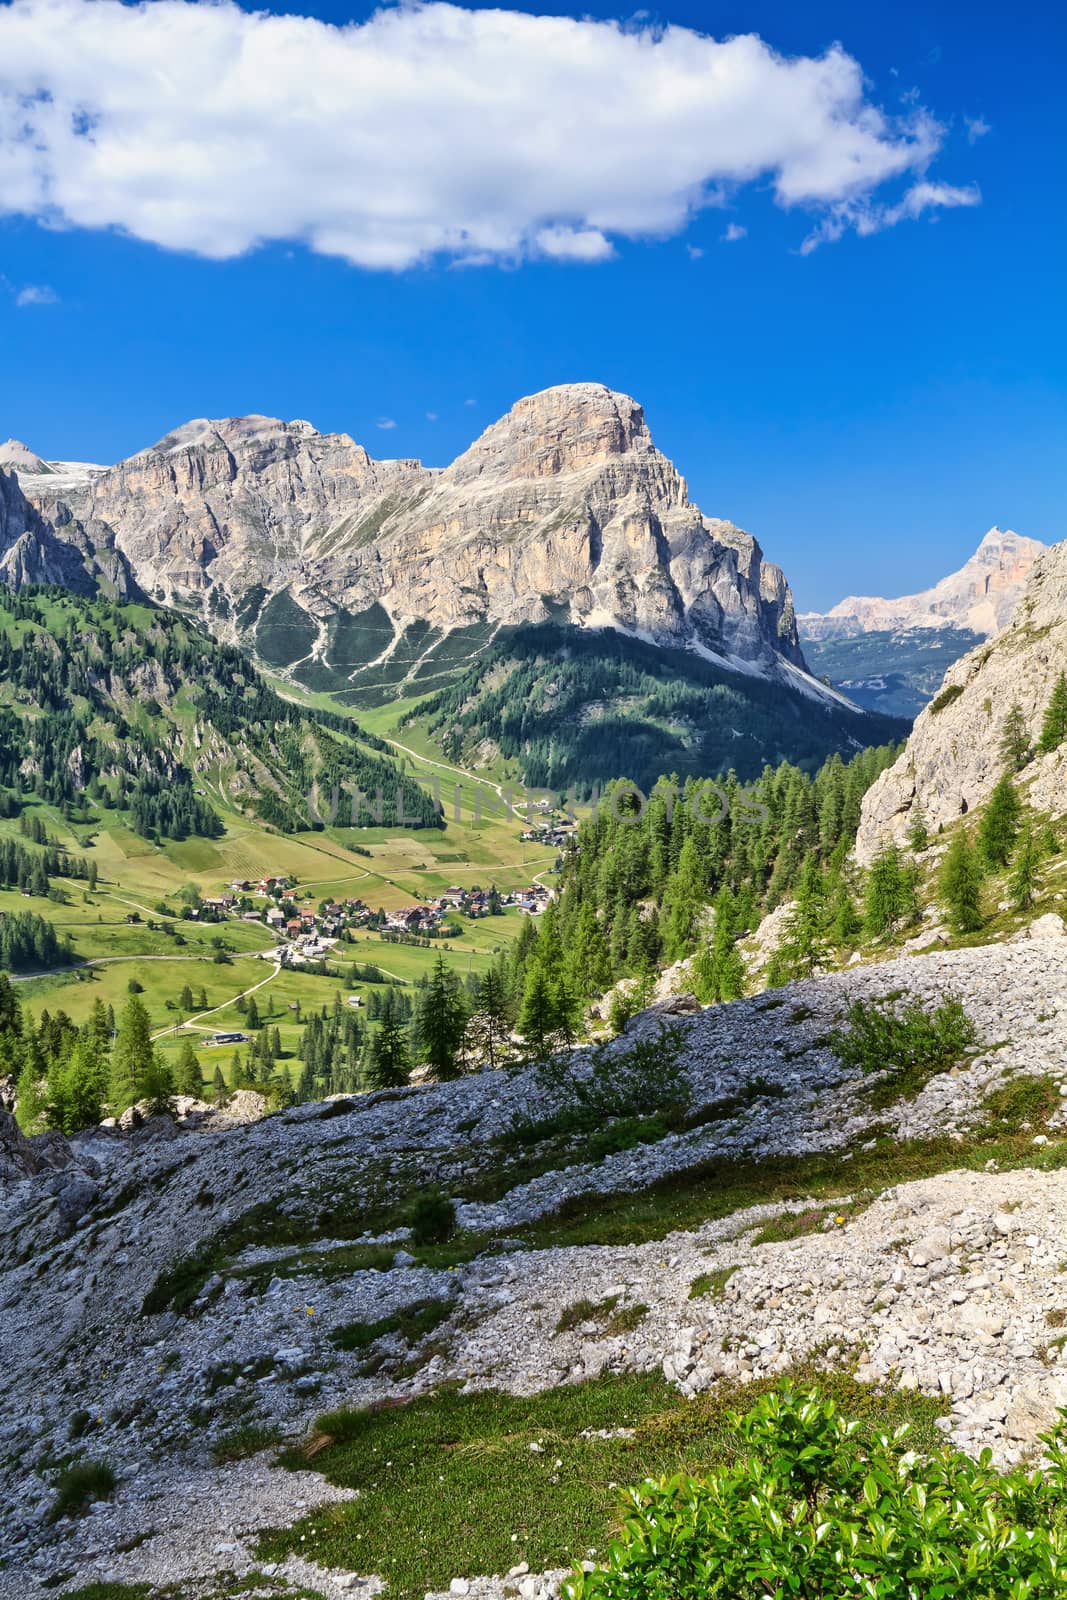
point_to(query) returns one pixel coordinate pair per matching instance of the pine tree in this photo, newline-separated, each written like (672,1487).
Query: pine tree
(803,950)
(883,894)
(132,1057)
(845,921)
(185,1000)
(1000,824)
(31,1093)
(1015,740)
(719,971)
(960,884)
(537,1019)
(218,1084)
(442,1017)
(187,1073)
(489,1029)
(1054,727)
(77,1085)
(388,1063)
(918,831)
(1022,881)
(252,1014)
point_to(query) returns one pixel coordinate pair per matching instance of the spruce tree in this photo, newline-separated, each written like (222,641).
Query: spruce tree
(132,1057)
(489,1029)
(1054,726)
(1022,881)
(719,971)
(388,1062)
(187,1073)
(918,834)
(803,951)
(960,885)
(1015,740)
(442,1017)
(845,921)
(882,894)
(537,1019)
(1000,824)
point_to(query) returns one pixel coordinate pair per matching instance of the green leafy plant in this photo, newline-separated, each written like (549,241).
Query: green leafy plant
(433,1218)
(810,1510)
(79,1486)
(908,1043)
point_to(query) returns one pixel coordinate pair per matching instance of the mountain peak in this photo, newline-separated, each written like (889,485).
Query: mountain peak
(568,428)
(18,457)
(980,596)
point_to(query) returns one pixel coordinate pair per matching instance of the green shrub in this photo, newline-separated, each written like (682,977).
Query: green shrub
(811,1511)
(945,698)
(433,1218)
(646,1080)
(79,1486)
(907,1042)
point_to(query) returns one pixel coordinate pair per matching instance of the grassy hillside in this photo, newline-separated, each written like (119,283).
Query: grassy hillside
(135,709)
(571,708)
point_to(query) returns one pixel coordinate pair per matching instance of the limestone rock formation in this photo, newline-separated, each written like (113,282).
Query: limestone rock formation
(981,596)
(952,759)
(54,546)
(562,510)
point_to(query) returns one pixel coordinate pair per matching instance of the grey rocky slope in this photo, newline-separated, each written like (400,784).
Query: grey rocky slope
(952,758)
(564,510)
(980,597)
(948,1282)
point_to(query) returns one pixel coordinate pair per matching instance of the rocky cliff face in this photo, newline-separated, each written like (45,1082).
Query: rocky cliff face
(563,509)
(34,549)
(952,759)
(981,596)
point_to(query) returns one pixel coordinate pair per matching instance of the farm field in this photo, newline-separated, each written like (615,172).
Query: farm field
(128,934)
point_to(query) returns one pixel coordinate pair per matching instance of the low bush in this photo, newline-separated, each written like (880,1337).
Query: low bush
(812,1510)
(647,1080)
(946,698)
(907,1042)
(79,1486)
(433,1218)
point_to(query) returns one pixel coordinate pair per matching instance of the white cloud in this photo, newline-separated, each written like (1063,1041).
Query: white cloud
(734,231)
(977,128)
(867,218)
(431,416)
(34,294)
(385,423)
(428,130)
(695,252)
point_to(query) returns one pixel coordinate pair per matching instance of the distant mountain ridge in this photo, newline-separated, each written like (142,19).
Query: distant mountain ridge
(562,511)
(980,597)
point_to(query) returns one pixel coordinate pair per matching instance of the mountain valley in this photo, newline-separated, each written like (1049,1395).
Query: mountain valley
(385,1188)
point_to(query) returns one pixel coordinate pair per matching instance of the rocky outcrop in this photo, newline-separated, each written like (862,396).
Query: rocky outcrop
(31,550)
(981,596)
(950,1283)
(562,510)
(952,759)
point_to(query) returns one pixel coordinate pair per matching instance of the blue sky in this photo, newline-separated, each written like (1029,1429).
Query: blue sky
(867,409)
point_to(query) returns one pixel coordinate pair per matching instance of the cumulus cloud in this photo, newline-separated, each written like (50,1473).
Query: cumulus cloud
(385,423)
(425,131)
(36,294)
(734,232)
(977,128)
(867,217)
